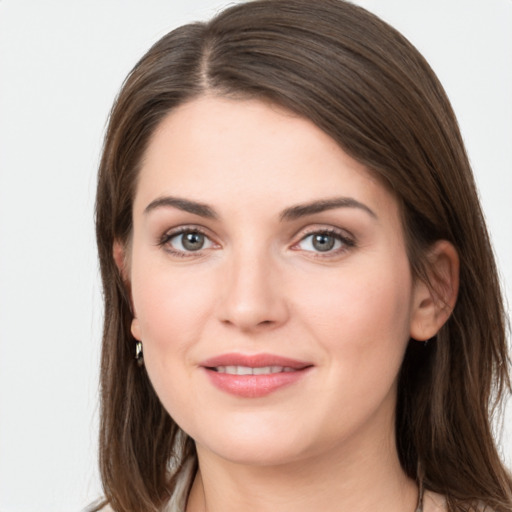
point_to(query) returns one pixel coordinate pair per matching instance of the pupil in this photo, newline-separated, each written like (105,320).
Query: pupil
(193,241)
(323,242)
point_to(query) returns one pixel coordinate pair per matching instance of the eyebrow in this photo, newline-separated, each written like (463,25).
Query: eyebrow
(289,214)
(302,210)
(201,209)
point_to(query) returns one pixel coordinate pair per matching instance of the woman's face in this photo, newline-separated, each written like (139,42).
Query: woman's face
(270,284)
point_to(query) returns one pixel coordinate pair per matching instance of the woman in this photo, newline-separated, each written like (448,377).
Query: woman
(301,303)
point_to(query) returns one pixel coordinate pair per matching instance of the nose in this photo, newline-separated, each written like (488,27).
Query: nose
(253,297)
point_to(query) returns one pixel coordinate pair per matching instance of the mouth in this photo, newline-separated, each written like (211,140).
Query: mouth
(253,376)
(248,370)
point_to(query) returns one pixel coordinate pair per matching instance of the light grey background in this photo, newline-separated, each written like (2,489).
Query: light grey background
(61,64)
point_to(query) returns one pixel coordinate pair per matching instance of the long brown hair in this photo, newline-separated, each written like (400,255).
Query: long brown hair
(367,87)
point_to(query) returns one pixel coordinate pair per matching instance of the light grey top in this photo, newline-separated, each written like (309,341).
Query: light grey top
(429,501)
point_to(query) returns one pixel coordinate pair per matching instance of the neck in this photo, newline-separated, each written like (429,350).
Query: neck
(368,478)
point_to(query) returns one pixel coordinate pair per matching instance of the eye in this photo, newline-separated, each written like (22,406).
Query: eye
(189,240)
(324,242)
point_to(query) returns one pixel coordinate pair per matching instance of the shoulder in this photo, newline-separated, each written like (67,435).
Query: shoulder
(106,508)
(433,502)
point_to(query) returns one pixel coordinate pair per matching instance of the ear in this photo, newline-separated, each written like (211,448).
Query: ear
(135,329)
(121,261)
(433,301)
(119,254)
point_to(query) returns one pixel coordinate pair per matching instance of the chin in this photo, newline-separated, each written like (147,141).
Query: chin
(255,445)
(256,454)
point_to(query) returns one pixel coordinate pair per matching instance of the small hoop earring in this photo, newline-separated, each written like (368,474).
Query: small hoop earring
(139,356)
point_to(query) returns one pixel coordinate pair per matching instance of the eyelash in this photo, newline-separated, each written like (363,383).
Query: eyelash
(168,236)
(347,241)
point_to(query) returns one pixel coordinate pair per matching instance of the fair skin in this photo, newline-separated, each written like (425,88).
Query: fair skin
(256,236)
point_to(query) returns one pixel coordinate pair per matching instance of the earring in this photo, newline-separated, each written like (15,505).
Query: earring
(139,356)
(429,341)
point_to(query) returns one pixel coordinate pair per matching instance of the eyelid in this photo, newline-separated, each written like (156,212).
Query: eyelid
(169,234)
(323,228)
(347,239)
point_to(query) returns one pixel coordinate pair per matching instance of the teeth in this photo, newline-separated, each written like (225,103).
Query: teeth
(247,370)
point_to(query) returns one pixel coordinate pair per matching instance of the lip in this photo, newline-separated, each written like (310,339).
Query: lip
(254,386)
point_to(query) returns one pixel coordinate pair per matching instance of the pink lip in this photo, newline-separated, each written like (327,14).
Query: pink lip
(254,386)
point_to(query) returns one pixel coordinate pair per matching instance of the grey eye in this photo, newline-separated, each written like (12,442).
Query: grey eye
(189,241)
(192,241)
(323,242)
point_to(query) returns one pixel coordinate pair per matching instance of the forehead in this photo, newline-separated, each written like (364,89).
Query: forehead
(242,152)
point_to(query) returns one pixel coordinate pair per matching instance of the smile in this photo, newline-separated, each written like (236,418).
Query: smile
(253,376)
(247,370)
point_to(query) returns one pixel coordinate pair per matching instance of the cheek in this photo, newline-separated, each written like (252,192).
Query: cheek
(171,308)
(172,313)
(361,323)
(362,314)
